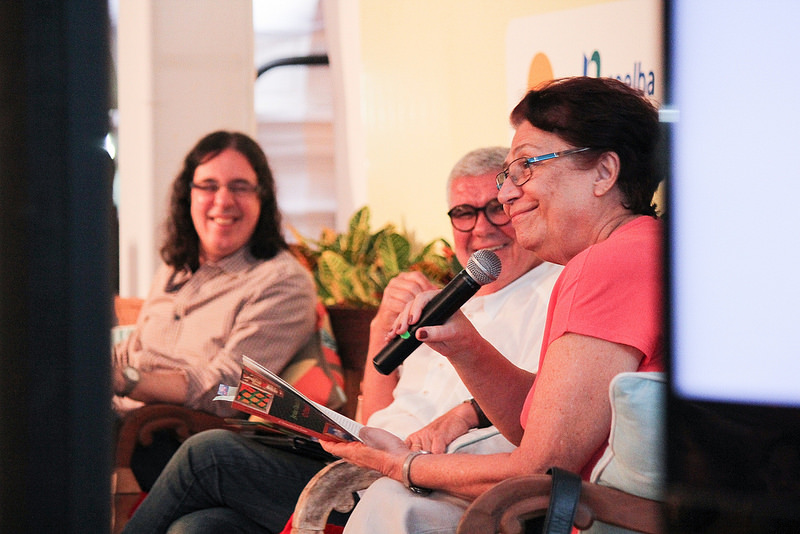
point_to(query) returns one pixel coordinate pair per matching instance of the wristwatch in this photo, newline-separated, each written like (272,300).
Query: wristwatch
(131,376)
(483,421)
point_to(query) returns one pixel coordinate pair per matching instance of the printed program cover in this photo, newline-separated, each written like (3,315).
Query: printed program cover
(264,394)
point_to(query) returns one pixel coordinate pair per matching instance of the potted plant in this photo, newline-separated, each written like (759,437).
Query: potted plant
(351,270)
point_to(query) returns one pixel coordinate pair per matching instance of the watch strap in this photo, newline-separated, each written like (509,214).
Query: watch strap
(483,421)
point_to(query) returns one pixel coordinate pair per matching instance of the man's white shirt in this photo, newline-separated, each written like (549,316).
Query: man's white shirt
(511,319)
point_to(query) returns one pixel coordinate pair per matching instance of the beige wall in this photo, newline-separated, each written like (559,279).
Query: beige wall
(431,86)
(417,83)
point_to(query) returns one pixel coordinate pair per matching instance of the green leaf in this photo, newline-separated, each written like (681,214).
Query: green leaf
(393,254)
(355,242)
(353,268)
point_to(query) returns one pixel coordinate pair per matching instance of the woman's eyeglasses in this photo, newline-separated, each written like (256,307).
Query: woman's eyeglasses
(520,170)
(464,217)
(237,188)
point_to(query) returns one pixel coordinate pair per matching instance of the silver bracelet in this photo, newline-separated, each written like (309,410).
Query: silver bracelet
(407,468)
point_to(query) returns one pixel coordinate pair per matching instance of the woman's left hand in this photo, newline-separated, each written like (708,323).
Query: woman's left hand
(381,450)
(439,433)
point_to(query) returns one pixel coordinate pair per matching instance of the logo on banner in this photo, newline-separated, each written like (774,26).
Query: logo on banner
(541,70)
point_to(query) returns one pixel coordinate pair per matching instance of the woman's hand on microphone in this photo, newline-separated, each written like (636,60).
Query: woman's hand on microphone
(456,338)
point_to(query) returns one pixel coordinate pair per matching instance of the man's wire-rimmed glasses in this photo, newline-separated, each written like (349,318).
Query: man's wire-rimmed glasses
(520,170)
(464,217)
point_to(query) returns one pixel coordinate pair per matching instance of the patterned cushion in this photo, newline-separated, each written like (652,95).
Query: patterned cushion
(317,372)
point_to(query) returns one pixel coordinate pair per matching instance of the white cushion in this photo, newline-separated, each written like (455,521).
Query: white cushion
(487,440)
(121,333)
(634,459)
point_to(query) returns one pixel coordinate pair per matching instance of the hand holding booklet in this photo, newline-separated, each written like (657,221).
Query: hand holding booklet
(264,394)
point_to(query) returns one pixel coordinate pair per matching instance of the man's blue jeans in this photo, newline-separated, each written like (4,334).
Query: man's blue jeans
(219,481)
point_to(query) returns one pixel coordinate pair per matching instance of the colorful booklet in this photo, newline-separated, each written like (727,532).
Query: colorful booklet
(264,394)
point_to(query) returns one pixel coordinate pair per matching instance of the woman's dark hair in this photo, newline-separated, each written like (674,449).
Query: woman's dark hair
(181,246)
(607,116)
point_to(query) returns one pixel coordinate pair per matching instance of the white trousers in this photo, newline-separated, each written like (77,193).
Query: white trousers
(388,507)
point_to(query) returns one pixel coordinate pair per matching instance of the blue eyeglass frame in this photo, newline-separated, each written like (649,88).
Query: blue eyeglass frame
(531,161)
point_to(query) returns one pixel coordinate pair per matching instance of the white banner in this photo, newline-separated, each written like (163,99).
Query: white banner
(616,39)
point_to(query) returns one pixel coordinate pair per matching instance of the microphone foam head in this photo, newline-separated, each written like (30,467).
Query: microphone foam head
(483,266)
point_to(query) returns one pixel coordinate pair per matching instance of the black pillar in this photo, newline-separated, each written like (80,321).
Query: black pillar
(55,199)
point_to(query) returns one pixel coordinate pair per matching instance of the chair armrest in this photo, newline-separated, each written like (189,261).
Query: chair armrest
(330,489)
(505,507)
(139,425)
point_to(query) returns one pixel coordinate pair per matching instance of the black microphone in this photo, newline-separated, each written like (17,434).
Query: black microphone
(483,267)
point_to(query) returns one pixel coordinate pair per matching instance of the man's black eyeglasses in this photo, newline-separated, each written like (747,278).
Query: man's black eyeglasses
(464,217)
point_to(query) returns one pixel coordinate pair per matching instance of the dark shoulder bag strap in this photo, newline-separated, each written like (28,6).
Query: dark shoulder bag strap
(564,496)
